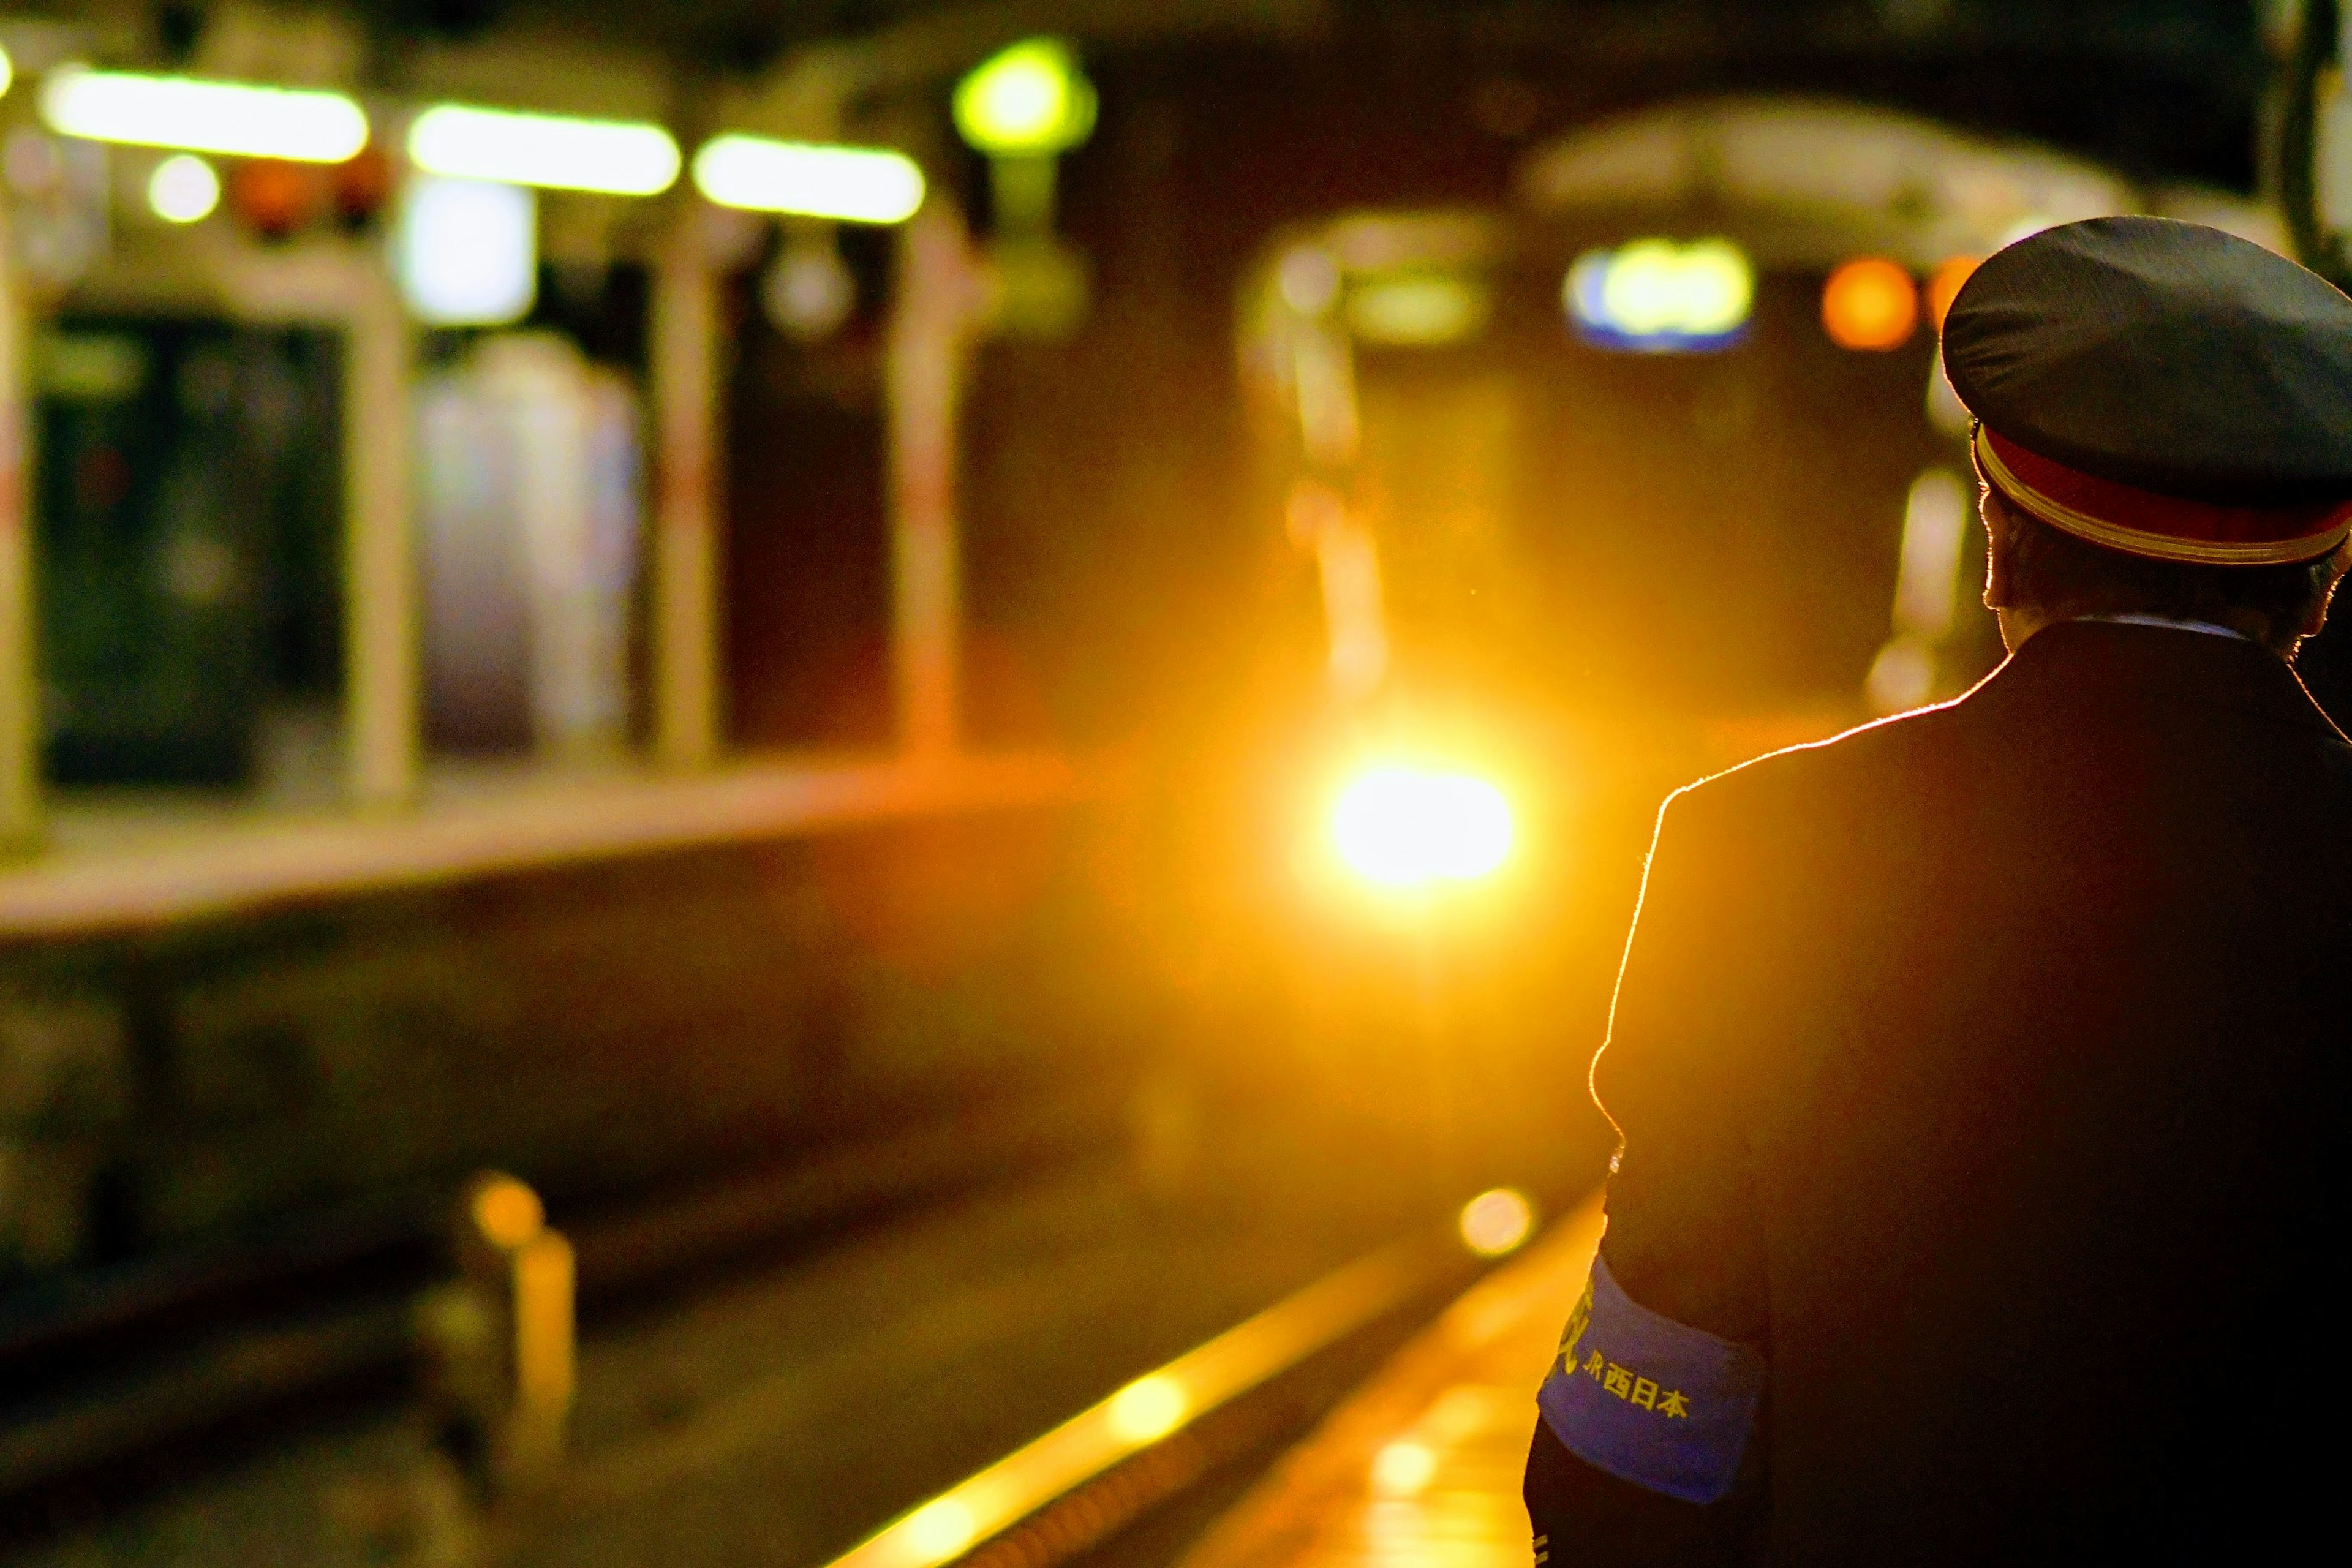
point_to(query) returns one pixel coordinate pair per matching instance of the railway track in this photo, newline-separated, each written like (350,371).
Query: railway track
(111,1384)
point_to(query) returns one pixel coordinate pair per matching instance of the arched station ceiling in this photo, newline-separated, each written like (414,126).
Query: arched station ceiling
(1811,181)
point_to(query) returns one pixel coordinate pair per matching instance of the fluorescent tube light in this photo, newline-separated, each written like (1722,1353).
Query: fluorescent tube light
(614,157)
(239,119)
(807,179)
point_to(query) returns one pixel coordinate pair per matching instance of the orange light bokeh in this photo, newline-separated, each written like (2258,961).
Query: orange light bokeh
(274,197)
(1944,285)
(1870,304)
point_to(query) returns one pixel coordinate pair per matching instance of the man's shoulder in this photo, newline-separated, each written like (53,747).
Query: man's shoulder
(1872,760)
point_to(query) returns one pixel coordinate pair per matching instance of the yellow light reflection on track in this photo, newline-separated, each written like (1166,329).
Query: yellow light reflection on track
(1404,1469)
(1148,1410)
(1407,827)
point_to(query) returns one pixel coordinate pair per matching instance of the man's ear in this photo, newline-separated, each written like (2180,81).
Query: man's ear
(1994,509)
(2337,564)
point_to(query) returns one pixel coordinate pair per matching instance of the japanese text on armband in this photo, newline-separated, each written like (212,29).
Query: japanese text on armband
(1649,1400)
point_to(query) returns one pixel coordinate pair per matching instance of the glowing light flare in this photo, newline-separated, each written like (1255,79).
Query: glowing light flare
(940,1530)
(554,151)
(468,252)
(1944,287)
(1030,100)
(809,179)
(8,73)
(1419,313)
(183,189)
(1870,305)
(1307,278)
(1404,827)
(1935,520)
(1404,1469)
(1148,1409)
(507,1213)
(1903,676)
(237,119)
(1656,296)
(1497,1222)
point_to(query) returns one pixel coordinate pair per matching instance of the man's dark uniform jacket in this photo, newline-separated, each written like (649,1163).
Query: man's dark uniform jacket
(1981,1075)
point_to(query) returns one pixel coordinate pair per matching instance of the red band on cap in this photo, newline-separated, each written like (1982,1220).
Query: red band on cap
(2168,528)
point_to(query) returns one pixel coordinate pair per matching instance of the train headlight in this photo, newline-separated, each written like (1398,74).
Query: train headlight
(1409,829)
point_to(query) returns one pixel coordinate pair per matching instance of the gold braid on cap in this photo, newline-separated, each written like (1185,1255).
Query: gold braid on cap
(2138,542)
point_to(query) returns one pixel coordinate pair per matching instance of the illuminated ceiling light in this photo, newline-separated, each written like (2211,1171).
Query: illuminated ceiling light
(7,72)
(611,157)
(1496,1222)
(1406,828)
(1944,287)
(1870,305)
(183,189)
(1030,100)
(1419,313)
(850,184)
(236,119)
(1656,296)
(467,253)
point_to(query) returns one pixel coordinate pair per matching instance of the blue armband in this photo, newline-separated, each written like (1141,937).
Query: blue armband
(1651,1401)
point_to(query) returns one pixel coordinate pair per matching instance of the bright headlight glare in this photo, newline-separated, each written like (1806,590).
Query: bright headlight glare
(553,151)
(237,119)
(1409,828)
(850,184)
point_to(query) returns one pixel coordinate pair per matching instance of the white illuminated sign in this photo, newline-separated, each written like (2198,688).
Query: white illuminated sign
(1656,296)
(468,252)
(612,157)
(851,184)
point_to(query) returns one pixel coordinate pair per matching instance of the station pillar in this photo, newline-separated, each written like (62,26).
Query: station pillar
(942,304)
(383,659)
(686,368)
(20,728)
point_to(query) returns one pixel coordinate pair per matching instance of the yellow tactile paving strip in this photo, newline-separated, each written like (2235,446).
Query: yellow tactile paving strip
(1421,1467)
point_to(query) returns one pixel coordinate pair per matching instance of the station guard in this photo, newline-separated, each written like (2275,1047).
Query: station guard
(1981,1075)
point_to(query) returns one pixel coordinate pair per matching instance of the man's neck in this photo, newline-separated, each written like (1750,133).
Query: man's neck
(2019,624)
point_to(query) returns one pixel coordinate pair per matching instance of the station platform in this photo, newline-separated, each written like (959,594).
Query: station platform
(135,862)
(1422,1465)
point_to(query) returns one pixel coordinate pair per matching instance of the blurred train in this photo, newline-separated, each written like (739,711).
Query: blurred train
(1647,472)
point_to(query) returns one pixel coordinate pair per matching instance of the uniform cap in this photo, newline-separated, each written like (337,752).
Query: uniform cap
(2162,388)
